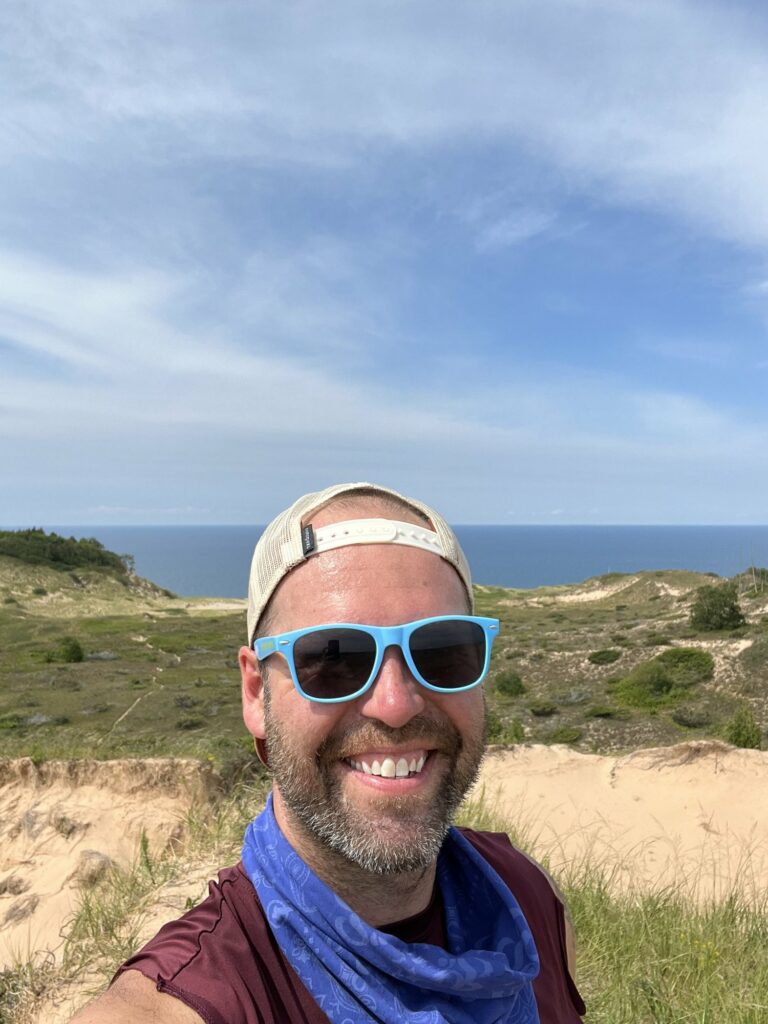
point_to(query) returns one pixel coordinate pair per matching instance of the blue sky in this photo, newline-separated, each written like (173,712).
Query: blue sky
(510,257)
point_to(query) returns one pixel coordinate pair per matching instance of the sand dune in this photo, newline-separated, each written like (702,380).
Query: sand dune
(62,823)
(693,815)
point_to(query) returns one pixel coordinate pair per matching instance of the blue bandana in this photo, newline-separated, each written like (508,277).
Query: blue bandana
(358,974)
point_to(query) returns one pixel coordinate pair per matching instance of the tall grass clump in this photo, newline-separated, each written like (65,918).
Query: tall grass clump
(742,729)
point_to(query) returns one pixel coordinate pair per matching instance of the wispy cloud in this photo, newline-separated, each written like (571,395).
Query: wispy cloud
(691,350)
(603,90)
(261,246)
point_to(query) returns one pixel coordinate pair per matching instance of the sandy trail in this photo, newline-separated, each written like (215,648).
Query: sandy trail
(693,815)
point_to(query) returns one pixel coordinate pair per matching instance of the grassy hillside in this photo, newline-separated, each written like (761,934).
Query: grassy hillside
(587,665)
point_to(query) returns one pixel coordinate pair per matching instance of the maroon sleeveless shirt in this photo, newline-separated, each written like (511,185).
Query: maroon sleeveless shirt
(222,960)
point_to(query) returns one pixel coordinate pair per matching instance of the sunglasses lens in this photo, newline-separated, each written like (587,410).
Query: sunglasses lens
(449,654)
(334,663)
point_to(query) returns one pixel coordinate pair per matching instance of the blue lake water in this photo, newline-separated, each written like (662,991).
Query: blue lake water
(214,560)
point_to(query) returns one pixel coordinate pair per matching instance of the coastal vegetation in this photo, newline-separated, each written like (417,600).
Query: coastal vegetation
(95,662)
(101,663)
(36,547)
(717,607)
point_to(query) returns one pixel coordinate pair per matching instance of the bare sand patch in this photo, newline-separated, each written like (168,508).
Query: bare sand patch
(62,823)
(693,816)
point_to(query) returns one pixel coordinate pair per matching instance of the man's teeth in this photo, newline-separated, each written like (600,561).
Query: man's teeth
(388,768)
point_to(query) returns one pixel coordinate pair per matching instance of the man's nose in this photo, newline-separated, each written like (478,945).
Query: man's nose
(395,697)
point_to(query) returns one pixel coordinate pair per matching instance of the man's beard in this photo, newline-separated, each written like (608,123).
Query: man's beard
(400,833)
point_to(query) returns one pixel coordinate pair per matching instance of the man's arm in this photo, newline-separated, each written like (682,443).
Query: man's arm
(134,999)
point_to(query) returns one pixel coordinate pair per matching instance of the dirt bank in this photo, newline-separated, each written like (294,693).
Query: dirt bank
(63,822)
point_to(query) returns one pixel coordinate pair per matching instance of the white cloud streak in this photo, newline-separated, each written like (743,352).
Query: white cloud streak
(660,104)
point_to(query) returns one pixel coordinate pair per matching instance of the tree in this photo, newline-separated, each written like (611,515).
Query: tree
(717,607)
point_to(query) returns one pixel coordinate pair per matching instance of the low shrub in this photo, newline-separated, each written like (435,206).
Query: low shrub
(605,657)
(189,723)
(646,686)
(565,734)
(654,639)
(509,684)
(665,679)
(542,708)
(691,717)
(687,665)
(600,711)
(70,650)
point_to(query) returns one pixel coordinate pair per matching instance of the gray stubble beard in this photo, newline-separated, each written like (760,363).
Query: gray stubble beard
(406,836)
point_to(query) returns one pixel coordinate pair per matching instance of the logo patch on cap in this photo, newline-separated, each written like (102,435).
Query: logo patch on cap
(307,540)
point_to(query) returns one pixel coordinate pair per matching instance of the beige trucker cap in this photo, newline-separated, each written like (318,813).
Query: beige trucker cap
(290,539)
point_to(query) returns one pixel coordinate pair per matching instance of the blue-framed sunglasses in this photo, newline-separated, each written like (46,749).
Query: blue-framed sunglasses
(339,661)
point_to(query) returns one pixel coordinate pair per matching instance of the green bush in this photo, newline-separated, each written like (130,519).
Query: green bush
(742,729)
(646,686)
(664,679)
(691,718)
(70,650)
(687,666)
(716,607)
(565,734)
(509,684)
(542,708)
(600,711)
(604,657)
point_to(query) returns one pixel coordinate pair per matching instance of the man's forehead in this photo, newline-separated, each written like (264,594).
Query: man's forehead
(356,583)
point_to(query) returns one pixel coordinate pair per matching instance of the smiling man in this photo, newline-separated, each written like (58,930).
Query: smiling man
(356,901)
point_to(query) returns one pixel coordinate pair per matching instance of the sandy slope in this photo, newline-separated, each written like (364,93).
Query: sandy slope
(693,814)
(59,821)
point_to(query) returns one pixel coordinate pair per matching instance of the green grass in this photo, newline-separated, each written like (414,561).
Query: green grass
(159,678)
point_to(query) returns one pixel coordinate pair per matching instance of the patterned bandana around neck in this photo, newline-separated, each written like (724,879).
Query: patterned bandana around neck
(360,975)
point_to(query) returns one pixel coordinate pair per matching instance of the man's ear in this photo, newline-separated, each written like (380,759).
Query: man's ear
(253,692)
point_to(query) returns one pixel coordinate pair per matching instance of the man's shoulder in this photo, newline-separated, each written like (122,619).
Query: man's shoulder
(135,999)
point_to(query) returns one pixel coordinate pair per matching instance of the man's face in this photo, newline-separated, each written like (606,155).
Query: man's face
(318,753)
